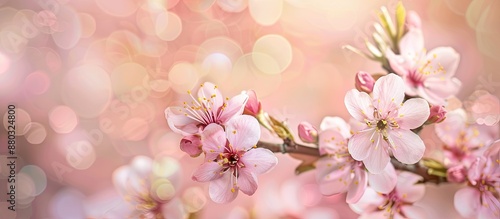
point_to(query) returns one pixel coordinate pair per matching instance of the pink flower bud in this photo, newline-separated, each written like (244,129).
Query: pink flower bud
(253,106)
(437,115)
(364,82)
(456,174)
(413,20)
(307,133)
(191,145)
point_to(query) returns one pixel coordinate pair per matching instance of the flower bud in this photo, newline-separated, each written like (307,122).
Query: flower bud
(456,174)
(307,133)
(437,114)
(413,20)
(253,105)
(191,145)
(364,82)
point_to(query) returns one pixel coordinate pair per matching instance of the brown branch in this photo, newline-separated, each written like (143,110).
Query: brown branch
(292,147)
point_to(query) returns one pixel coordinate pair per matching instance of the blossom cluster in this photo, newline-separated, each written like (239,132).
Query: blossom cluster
(377,157)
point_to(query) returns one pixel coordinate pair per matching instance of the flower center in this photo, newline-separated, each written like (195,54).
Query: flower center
(381,124)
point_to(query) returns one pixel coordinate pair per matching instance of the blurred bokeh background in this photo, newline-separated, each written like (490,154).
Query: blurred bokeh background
(91,80)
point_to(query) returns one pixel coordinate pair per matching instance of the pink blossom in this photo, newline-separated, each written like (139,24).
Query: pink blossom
(191,144)
(210,107)
(138,184)
(413,21)
(426,74)
(463,141)
(395,204)
(388,121)
(307,132)
(338,172)
(364,82)
(232,158)
(438,114)
(480,198)
(456,174)
(253,105)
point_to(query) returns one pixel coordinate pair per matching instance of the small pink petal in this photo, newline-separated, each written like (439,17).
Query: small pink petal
(384,182)
(247,182)
(333,187)
(437,90)
(259,160)
(331,169)
(413,113)
(307,132)
(375,215)
(357,187)
(399,64)
(406,146)
(360,145)
(389,92)
(208,171)
(467,201)
(450,129)
(243,132)
(437,114)
(336,123)
(412,211)
(370,201)
(359,105)
(222,190)
(444,58)
(234,107)
(407,187)
(214,140)
(179,122)
(364,82)
(253,105)
(191,145)
(413,20)
(378,159)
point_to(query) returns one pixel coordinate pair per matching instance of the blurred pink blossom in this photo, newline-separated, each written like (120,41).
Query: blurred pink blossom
(364,82)
(428,75)
(462,141)
(210,107)
(413,20)
(456,174)
(396,204)
(307,132)
(389,121)
(150,187)
(338,172)
(480,198)
(232,159)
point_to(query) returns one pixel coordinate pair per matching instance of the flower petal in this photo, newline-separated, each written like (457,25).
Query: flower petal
(191,144)
(359,105)
(208,171)
(332,142)
(179,122)
(234,107)
(259,160)
(437,90)
(406,146)
(412,44)
(443,59)
(385,181)
(357,187)
(411,211)
(399,64)
(336,123)
(243,132)
(211,96)
(214,140)
(413,113)
(450,129)
(388,92)
(247,182)
(333,187)
(332,169)
(370,201)
(222,190)
(467,201)
(378,158)
(407,187)
(361,144)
